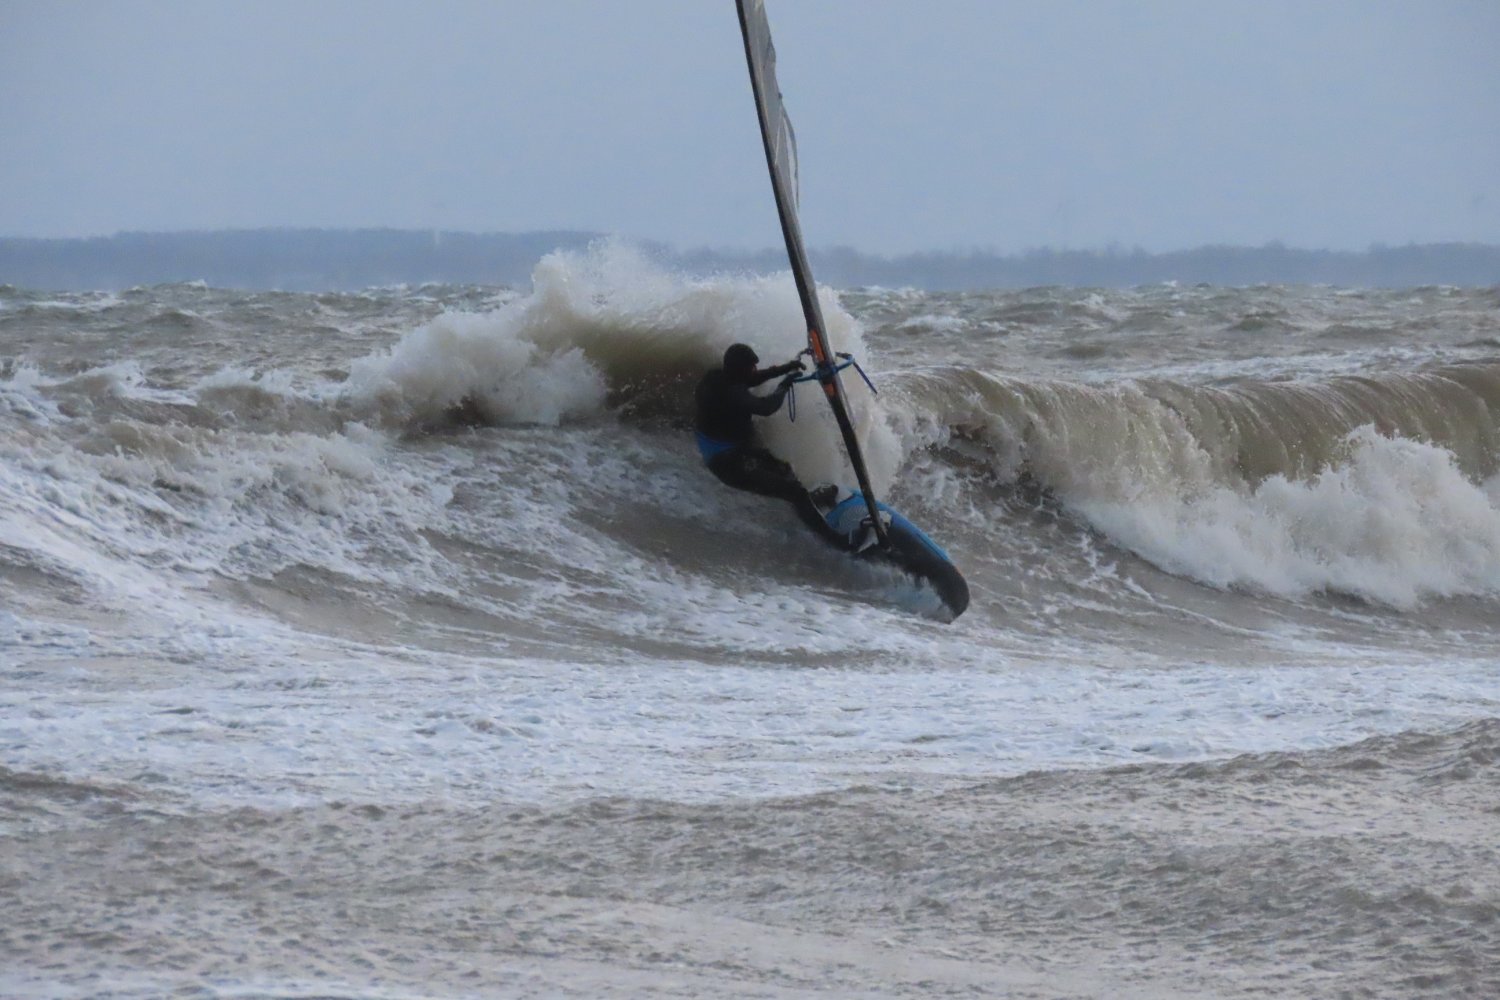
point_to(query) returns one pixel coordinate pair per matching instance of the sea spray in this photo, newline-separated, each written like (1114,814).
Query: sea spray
(1394,522)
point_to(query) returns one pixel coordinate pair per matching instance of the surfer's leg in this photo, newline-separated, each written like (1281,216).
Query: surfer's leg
(758,471)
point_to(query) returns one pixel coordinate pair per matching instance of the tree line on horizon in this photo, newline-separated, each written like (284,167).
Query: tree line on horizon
(346,260)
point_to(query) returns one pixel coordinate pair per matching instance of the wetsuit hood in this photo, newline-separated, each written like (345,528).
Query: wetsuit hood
(740,360)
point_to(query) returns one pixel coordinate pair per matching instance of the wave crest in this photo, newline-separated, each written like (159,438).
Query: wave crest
(1382,487)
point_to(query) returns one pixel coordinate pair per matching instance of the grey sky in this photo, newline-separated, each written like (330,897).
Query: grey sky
(923,124)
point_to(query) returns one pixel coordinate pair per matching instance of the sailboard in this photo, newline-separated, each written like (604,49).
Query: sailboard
(870,529)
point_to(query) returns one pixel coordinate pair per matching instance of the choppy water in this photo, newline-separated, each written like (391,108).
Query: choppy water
(397,644)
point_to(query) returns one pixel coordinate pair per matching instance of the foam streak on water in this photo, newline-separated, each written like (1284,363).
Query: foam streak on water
(400,644)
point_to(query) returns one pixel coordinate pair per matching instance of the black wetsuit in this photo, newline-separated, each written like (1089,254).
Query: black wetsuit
(726,438)
(724,408)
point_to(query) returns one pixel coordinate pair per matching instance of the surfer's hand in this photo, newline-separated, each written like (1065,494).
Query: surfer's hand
(795,364)
(786,382)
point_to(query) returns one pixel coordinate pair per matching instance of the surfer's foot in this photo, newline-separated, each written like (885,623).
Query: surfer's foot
(828,496)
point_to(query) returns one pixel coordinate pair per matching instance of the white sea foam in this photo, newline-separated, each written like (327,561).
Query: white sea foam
(142,520)
(542,358)
(19,395)
(492,362)
(935,323)
(610,316)
(341,722)
(1395,522)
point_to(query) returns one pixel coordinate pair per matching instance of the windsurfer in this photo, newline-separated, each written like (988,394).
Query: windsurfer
(726,434)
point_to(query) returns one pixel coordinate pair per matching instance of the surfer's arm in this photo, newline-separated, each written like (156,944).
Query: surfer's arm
(766,374)
(763,406)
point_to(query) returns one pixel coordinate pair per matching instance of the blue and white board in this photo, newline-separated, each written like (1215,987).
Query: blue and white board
(906,546)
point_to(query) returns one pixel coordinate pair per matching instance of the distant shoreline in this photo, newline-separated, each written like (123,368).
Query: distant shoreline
(351,259)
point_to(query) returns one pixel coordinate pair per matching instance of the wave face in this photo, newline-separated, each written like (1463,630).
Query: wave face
(276,557)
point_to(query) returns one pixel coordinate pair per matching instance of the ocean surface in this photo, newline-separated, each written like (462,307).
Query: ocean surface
(397,644)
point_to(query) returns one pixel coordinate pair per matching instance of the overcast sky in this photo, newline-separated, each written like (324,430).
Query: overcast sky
(923,124)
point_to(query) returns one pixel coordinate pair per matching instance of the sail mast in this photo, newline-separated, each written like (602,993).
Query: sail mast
(781,158)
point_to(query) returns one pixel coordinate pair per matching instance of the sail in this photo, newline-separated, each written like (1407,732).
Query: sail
(781,157)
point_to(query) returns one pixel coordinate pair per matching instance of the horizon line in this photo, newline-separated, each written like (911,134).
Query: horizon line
(1114,248)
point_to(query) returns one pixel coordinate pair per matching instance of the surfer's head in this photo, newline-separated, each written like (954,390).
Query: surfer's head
(739,359)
